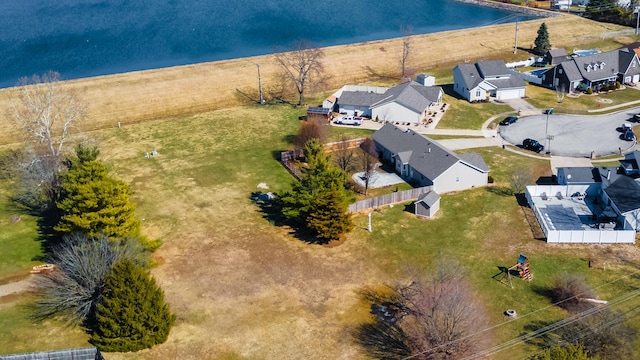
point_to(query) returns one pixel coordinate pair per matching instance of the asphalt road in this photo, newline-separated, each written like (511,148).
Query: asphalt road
(573,135)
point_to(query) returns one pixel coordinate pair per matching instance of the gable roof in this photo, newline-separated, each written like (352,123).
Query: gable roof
(475,160)
(507,83)
(359,98)
(603,65)
(558,52)
(423,154)
(492,68)
(470,76)
(429,198)
(624,193)
(411,95)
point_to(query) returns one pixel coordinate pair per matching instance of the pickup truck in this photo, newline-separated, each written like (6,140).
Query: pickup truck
(349,120)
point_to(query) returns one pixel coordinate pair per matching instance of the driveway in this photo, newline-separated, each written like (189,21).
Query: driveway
(573,135)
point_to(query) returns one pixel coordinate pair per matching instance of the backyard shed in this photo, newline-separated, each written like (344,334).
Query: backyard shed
(318,113)
(427,204)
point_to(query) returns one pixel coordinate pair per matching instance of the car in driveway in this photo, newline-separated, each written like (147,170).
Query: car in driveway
(508,121)
(635,118)
(349,120)
(532,145)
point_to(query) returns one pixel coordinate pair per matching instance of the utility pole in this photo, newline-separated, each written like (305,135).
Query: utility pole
(637,11)
(515,48)
(546,130)
(260,84)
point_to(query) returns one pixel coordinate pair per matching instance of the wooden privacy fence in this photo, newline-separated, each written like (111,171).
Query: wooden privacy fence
(287,158)
(396,197)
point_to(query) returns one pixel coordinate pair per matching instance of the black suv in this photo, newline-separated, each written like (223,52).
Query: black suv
(508,121)
(533,145)
(628,136)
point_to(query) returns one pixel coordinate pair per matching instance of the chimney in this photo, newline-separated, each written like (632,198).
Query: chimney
(608,174)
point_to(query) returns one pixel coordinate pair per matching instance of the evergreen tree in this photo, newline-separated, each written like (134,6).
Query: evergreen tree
(92,202)
(320,188)
(132,314)
(328,217)
(542,44)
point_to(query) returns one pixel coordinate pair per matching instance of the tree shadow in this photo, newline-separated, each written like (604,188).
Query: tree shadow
(547,180)
(382,340)
(271,211)
(288,138)
(499,190)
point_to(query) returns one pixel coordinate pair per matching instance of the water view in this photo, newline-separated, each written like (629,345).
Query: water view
(81,38)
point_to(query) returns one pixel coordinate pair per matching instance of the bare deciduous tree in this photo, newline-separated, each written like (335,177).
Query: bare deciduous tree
(73,290)
(344,156)
(310,129)
(46,111)
(434,317)
(369,161)
(406,32)
(301,66)
(519,180)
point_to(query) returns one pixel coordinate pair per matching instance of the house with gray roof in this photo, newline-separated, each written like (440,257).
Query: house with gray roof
(424,162)
(594,71)
(407,102)
(485,79)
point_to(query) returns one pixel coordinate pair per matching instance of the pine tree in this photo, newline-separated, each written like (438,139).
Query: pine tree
(132,314)
(320,189)
(328,217)
(92,202)
(542,43)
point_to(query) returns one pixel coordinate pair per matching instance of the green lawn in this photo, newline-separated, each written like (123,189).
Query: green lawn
(547,98)
(18,238)
(465,115)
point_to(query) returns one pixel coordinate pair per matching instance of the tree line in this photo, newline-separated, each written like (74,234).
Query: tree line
(88,225)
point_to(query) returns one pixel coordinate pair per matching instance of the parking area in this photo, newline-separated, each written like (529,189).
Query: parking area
(572,135)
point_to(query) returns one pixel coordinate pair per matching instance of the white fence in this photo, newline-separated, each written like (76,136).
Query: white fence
(523,63)
(527,77)
(594,236)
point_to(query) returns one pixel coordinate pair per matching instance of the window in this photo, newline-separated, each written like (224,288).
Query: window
(457,179)
(559,71)
(478,93)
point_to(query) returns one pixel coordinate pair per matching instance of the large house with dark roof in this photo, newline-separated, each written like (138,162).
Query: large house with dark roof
(424,162)
(485,79)
(594,71)
(407,102)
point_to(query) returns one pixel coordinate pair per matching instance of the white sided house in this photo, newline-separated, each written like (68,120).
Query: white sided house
(487,79)
(407,102)
(423,162)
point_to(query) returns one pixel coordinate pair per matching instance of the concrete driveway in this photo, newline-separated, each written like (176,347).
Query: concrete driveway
(573,135)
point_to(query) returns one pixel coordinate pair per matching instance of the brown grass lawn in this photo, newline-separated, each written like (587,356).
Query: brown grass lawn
(146,95)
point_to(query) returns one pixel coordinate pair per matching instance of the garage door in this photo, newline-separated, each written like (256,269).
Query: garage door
(636,78)
(509,94)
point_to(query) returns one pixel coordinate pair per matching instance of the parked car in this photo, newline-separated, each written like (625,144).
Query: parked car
(508,120)
(349,120)
(624,128)
(628,136)
(636,118)
(532,145)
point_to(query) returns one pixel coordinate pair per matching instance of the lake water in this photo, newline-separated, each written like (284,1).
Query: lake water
(81,38)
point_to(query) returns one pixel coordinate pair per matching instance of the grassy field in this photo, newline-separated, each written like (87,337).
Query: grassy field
(241,286)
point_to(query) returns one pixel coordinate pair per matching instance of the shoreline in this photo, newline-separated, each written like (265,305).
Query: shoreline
(139,96)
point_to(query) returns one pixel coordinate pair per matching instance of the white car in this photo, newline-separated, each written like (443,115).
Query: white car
(349,120)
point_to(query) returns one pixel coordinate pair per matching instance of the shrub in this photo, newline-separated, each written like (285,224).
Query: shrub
(569,291)
(589,91)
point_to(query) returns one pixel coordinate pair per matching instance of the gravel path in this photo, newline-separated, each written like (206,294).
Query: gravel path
(16,287)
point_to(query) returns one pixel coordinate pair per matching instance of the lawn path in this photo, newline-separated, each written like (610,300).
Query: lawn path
(16,287)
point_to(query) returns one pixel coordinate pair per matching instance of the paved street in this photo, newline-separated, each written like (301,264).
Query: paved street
(573,135)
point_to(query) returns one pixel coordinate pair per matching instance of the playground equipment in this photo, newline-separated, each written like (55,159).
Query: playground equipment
(521,267)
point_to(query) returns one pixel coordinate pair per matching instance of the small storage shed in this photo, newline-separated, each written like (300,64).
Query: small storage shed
(555,56)
(318,113)
(426,80)
(427,204)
